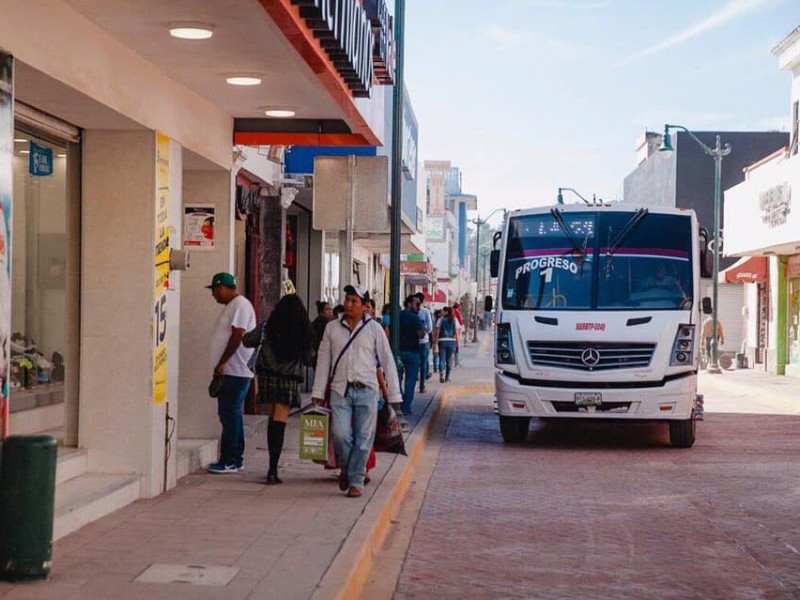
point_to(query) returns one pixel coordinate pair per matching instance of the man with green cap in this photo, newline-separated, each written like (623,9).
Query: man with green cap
(230,360)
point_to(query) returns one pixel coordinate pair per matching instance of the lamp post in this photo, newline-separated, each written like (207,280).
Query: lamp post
(478,222)
(717,153)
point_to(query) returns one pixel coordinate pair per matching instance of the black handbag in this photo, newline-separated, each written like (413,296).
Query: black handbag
(215,387)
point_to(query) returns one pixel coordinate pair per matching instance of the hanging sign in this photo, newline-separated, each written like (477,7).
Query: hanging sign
(40,160)
(161,270)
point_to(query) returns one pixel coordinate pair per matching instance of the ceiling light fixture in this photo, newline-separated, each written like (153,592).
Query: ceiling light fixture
(191,31)
(280,113)
(62,156)
(24,151)
(20,140)
(243,80)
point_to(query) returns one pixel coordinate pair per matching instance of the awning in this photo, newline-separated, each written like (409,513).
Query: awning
(439,297)
(749,269)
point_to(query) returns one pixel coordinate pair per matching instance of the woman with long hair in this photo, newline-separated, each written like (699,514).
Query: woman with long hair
(287,348)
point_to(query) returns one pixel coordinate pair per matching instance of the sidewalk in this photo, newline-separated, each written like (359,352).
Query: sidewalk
(750,391)
(271,542)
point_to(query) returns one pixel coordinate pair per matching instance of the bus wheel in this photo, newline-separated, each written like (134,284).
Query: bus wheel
(514,429)
(682,433)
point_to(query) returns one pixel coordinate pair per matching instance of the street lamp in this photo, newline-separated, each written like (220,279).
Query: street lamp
(717,153)
(478,222)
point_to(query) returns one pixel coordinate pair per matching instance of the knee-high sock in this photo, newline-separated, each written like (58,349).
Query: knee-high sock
(275,435)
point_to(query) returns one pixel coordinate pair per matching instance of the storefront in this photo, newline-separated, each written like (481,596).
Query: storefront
(44,345)
(760,222)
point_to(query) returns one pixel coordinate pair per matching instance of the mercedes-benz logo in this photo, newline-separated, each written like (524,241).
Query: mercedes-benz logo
(590,357)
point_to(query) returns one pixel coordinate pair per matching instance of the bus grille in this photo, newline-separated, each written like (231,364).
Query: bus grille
(589,356)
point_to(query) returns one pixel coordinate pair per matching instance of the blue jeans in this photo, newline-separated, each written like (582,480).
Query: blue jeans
(424,365)
(230,406)
(355,418)
(410,360)
(446,352)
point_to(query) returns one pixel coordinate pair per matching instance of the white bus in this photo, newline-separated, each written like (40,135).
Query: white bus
(598,316)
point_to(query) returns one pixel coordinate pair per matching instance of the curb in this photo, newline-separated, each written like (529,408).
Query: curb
(352,565)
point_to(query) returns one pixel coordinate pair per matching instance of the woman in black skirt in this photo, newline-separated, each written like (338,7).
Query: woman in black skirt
(287,348)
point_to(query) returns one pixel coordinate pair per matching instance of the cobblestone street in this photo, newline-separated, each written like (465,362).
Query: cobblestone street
(595,510)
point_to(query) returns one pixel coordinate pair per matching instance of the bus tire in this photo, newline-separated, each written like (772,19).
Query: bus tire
(514,429)
(682,433)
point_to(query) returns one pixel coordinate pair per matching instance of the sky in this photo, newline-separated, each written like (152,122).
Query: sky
(526,96)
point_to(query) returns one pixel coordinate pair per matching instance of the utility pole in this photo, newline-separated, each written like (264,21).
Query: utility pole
(397,166)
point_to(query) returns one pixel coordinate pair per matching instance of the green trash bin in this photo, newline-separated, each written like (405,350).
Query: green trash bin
(27,499)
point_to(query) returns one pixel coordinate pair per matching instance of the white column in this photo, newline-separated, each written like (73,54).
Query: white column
(120,423)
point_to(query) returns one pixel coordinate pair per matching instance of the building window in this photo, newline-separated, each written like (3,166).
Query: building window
(39,273)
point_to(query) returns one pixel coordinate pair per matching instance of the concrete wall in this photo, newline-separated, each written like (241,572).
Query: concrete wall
(197,414)
(119,422)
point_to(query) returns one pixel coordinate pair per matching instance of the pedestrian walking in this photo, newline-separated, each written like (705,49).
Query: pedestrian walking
(286,347)
(446,338)
(386,318)
(338,311)
(324,316)
(230,360)
(425,342)
(707,333)
(458,316)
(348,360)
(434,347)
(411,332)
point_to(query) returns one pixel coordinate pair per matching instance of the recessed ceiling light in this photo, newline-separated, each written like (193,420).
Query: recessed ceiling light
(191,31)
(24,151)
(62,156)
(279,113)
(20,140)
(243,80)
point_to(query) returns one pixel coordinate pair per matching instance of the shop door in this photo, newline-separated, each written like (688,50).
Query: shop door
(762,323)
(793,322)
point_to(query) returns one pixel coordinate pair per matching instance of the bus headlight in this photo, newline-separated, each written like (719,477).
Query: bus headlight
(683,347)
(504,345)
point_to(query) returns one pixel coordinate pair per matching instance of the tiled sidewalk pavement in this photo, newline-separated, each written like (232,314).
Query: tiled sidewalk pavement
(750,391)
(281,538)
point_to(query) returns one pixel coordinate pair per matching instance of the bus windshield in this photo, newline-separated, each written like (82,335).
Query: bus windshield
(605,261)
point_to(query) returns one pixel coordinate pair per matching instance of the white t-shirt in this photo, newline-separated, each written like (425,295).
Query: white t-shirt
(237,313)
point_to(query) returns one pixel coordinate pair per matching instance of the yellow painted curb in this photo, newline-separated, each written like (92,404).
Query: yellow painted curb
(347,574)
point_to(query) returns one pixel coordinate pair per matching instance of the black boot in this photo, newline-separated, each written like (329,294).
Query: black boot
(275,435)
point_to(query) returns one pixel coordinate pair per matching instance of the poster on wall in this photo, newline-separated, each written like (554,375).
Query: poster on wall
(161,270)
(6,190)
(198,226)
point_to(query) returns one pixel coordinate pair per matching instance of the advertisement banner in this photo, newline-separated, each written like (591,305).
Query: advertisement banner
(40,160)
(198,226)
(161,270)
(6,190)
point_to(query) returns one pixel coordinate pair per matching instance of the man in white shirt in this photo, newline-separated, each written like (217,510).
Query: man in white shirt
(230,360)
(355,390)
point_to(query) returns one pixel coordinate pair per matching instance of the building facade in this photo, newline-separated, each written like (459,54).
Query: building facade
(763,230)
(125,147)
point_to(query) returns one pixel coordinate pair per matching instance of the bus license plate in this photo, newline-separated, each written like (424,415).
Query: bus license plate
(588,398)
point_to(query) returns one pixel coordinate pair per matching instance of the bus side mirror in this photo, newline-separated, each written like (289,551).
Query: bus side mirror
(706,306)
(494,263)
(488,304)
(706,255)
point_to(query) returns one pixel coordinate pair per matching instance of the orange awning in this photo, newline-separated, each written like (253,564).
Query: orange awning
(749,269)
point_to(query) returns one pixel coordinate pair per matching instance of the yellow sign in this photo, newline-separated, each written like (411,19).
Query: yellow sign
(161,270)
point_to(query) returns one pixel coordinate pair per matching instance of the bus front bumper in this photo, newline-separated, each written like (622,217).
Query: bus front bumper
(674,400)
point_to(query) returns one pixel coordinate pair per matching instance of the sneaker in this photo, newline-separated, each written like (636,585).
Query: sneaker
(422,390)
(441,377)
(222,468)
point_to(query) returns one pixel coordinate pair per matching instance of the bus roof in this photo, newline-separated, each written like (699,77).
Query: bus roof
(615,207)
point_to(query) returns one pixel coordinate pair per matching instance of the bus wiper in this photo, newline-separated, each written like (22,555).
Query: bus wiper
(614,245)
(629,226)
(576,245)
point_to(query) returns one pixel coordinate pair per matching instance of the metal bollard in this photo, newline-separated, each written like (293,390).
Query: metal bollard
(27,503)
